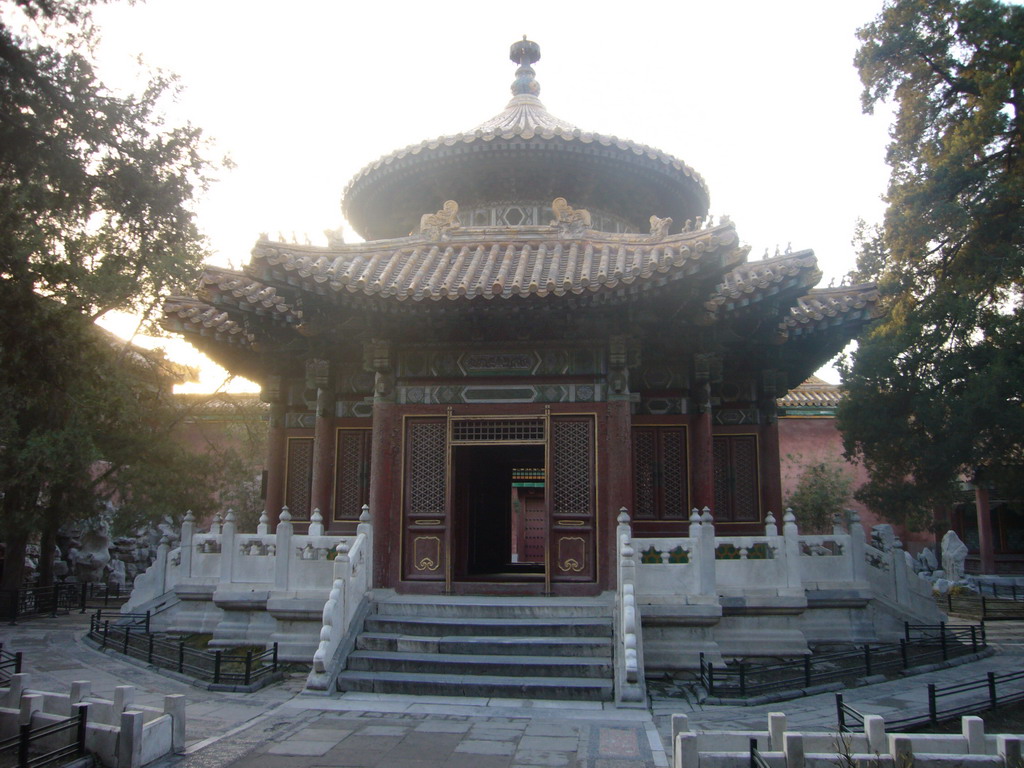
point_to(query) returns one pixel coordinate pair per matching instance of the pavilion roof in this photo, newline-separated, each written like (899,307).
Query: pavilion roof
(486,263)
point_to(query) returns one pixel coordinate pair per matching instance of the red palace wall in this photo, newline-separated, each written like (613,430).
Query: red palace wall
(814,440)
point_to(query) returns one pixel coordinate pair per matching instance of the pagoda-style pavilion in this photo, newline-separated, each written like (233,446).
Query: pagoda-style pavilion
(566,331)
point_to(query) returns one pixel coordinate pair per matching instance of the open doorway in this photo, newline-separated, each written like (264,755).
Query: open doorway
(500,521)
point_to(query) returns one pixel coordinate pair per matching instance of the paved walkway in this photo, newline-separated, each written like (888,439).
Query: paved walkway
(280,727)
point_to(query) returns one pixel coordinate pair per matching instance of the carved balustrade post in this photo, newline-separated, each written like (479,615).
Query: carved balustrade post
(791,550)
(283,554)
(188,532)
(858,548)
(708,577)
(365,528)
(163,548)
(227,548)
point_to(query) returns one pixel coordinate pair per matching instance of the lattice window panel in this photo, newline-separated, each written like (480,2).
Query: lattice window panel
(497,430)
(571,450)
(723,497)
(737,485)
(426,468)
(744,461)
(299,483)
(673,474)
(645,475)
(351,490)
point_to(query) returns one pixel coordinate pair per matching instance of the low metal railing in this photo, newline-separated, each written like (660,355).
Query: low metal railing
(921,644)
(33,747)
(995,690)
(129,634)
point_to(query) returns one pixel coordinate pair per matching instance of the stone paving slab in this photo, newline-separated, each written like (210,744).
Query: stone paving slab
(278,727)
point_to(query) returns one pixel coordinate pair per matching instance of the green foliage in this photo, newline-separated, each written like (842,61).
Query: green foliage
(95,216)
(935,393)
(822,491)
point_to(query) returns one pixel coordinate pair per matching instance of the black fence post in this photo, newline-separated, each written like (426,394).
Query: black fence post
(942,640)
(702,677)
(807,671)
(903,652)
(974,639)
(984,640)
(711,679)
(181,656)
(106,631)
(984,609)
(743,678)
(127,637)
(147,621)
(248,666)
(149,655)
(216,666)
(993,699)
(24,738)
(82,597)
(275,657)
(17,662)
(840,718)
(753,746)
(933,714)
(906,630)
(83,724)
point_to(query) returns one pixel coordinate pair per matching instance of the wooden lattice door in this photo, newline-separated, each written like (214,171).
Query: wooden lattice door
(573,531)
(737,486)
(352,475)
(424,516)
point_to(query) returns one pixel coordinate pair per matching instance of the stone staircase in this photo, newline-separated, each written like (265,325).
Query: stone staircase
(502,647)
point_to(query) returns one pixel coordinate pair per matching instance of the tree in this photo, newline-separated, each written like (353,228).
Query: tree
(822,491)
(95,216)
(935,394)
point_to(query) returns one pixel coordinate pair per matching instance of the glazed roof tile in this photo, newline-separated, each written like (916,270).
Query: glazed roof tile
(217,284)
(196,316)
(491,263)
(823,308)
(754,281)
(813,393)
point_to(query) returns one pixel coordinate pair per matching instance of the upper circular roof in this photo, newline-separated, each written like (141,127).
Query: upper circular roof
(523,154)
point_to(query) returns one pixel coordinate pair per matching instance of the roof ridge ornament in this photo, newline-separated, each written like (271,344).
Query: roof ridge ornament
(571,222)
(434,226)
(524,53)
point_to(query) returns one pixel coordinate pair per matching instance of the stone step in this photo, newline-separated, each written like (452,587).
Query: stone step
(442,626)
(495,607)
(490,686)
(510,667)
(488,644)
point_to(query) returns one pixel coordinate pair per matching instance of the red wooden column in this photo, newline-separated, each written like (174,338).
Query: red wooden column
(323,454)
(385,462)
(702,443)
(771,461)
(986,544)
(276,459)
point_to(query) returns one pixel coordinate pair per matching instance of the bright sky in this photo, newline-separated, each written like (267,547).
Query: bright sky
(760,98)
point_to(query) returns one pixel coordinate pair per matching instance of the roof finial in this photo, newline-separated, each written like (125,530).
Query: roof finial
(524,53)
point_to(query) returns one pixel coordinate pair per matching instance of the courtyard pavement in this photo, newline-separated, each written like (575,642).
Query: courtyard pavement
(279,727)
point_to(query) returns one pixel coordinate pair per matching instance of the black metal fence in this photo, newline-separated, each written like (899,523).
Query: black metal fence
(921,644)
(1005,591)
(129,634)
(58,600)
(992,691)
(10,664)
(50,744)
(756,760)
(983,608)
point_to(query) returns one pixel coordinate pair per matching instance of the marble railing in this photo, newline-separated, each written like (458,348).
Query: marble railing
(704,568)
(280,561)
